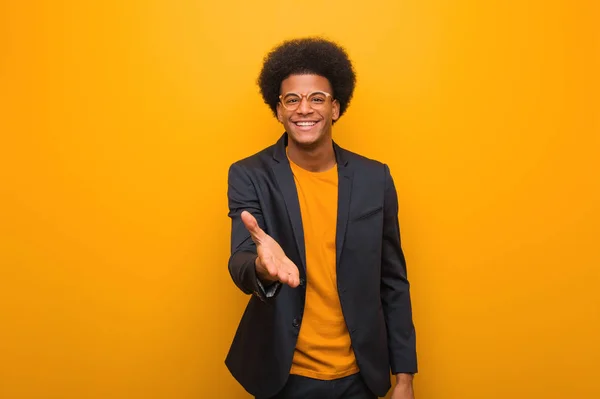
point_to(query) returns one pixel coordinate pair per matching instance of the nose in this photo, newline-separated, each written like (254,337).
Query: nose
(304,107)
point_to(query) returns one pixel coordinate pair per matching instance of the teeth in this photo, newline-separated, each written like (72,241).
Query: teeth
(305,123)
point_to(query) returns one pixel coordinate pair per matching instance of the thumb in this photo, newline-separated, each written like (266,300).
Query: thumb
(252,226)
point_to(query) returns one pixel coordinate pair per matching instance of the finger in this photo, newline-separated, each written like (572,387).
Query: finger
(291,281)
(290,265)
(282,274)
(270,266)
(293,269)
(293,275)
(288,277)
(252,226)
(294,280)
(283,277)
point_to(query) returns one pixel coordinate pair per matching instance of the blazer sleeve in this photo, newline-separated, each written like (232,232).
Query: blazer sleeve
(242,196)
(395,292)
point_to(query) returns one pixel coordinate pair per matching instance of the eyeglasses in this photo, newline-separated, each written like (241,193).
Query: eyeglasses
(316,100)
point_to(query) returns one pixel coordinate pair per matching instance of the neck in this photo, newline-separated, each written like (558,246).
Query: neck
(318,158)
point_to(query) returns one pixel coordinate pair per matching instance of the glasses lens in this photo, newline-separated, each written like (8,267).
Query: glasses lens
(317,99)
(291,101)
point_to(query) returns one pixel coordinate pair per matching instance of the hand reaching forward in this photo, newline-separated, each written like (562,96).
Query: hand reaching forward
(271,264)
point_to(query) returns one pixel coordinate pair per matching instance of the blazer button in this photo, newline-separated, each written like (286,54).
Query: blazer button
(302,281)
(296,322)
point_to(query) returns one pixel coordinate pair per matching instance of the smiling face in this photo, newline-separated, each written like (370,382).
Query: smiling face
(308,126)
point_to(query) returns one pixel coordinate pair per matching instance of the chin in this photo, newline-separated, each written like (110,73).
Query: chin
(305,139)
(306,143)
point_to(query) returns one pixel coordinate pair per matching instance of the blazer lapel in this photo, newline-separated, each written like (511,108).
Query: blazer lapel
(285,180)
(344,192)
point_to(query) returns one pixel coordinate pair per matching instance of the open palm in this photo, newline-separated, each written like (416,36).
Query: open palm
(272,264)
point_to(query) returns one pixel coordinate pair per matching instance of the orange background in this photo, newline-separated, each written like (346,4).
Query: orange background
(119,120)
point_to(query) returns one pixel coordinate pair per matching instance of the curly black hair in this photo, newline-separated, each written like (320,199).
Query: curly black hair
(312,55)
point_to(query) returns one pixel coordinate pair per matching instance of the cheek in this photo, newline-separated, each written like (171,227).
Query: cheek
(332,115)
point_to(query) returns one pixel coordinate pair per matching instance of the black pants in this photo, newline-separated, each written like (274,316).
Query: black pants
(351,387)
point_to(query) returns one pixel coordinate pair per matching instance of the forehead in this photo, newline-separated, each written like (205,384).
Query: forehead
(305,83)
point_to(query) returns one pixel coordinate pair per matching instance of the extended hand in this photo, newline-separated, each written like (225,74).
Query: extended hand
(272,264)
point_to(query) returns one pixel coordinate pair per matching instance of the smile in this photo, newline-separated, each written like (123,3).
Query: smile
(307,123)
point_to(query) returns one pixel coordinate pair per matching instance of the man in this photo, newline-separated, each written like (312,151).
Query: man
(315,239)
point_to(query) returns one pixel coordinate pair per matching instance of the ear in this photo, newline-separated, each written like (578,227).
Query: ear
(335,111)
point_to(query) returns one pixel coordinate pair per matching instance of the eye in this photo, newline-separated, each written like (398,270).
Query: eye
(292,100)
(317,98)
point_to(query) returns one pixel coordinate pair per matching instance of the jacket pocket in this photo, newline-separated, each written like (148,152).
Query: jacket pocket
(368,214)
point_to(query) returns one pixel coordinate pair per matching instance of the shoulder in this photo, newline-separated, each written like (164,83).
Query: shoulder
(369,173)
(363,164)
(259,161)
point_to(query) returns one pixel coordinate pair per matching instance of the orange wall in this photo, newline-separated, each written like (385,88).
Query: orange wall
(119,121)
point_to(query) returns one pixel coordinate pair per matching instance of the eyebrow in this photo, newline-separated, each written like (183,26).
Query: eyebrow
(310,92)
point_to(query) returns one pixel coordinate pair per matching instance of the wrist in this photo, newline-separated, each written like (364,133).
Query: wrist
(404,379)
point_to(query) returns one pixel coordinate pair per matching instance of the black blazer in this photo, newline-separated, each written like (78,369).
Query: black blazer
(371,271)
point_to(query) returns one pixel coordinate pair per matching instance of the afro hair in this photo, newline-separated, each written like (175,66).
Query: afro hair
(311,55)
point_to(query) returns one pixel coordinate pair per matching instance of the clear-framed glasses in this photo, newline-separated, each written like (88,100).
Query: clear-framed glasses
(316,100)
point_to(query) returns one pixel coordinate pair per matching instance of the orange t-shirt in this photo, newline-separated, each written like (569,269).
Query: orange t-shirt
(323,350)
